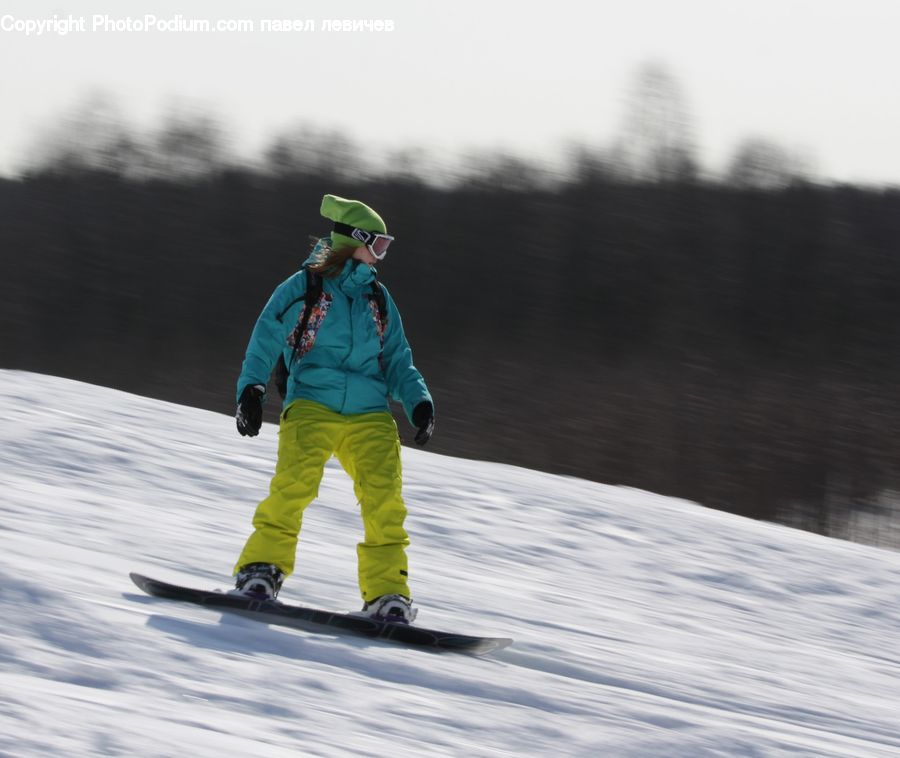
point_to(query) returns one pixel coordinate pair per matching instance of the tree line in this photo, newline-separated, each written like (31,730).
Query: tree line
(734,345)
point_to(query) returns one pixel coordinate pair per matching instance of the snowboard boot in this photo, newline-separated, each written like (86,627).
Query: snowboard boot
(259,580)
(394,608)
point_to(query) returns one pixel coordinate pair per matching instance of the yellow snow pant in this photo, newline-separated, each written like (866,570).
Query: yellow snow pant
(368,447)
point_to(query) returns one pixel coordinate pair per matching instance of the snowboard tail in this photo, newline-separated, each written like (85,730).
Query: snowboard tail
(315,620)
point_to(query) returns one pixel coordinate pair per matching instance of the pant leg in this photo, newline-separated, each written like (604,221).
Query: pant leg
(308,435)
(370,454)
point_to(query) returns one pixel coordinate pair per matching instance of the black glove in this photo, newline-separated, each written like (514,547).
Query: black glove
(423,420)
(249,410)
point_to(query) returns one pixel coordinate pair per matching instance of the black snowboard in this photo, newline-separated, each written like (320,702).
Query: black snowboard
(313,620)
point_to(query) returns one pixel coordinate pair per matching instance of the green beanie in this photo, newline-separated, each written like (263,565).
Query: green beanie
(350,212)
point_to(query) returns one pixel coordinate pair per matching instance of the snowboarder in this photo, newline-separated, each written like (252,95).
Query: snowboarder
(344,359)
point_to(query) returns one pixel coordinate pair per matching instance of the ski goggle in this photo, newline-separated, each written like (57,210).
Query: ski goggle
(375,242)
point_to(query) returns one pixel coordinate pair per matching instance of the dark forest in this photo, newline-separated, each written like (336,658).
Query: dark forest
(730,344)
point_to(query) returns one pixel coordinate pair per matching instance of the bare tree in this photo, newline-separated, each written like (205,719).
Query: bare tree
(92,136)
(656,144)
(189,146)
(584,163)
(760,163)
(310,151)
(506,171)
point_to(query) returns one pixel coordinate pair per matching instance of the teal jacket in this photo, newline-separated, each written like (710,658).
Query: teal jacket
(347,361)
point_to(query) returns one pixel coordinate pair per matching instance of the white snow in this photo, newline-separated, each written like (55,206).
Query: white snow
(644,626)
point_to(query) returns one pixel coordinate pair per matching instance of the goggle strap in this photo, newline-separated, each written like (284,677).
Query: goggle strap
(361,235)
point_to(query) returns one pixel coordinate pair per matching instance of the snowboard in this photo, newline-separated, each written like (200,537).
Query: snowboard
(315,620)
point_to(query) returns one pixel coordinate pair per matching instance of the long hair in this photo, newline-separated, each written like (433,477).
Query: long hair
(331,260)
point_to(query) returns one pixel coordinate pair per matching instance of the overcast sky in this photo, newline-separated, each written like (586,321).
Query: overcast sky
(817,76)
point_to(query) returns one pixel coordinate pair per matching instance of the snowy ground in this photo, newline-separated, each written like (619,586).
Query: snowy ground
(644,626)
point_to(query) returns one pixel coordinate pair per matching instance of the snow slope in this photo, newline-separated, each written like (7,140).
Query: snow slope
(644,626)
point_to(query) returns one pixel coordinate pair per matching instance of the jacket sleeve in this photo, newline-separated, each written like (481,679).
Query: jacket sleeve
(404,381)
(271,331)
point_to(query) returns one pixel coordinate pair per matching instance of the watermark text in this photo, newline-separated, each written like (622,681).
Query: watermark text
(101,23)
